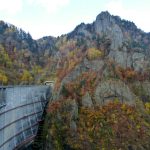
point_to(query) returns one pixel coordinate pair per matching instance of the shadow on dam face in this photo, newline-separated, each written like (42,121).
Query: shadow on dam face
(21,110)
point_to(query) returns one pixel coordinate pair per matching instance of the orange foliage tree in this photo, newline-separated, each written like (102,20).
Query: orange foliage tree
(85,82)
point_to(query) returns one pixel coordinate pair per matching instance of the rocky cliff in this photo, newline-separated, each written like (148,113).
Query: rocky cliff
(102,82)
(121,58)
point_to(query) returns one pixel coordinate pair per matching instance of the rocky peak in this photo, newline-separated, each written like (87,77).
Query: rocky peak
(103,22)
(105,26)
(103,16)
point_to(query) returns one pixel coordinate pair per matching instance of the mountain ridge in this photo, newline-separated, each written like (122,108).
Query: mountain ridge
(116,38)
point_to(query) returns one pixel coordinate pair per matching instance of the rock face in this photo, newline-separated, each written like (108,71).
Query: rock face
(127,45)
(135,60)
(142,89)
(86,100)
(110,90)
(105,26)
(122,39)
(74,115)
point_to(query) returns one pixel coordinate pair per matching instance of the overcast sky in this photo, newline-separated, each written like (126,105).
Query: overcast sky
(56,17)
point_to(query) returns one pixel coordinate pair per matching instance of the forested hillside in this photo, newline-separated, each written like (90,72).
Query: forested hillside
(22,59)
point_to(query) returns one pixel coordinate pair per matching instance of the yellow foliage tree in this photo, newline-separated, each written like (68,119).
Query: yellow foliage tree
(3,78)
(93,53)
(26,76)
(147,106)
(4,58)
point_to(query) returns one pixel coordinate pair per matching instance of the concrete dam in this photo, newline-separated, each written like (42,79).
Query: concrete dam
(21,110)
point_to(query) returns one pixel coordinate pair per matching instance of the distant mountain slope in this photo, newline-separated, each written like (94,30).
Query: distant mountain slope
(46,45)
(22,57)
(12,37)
